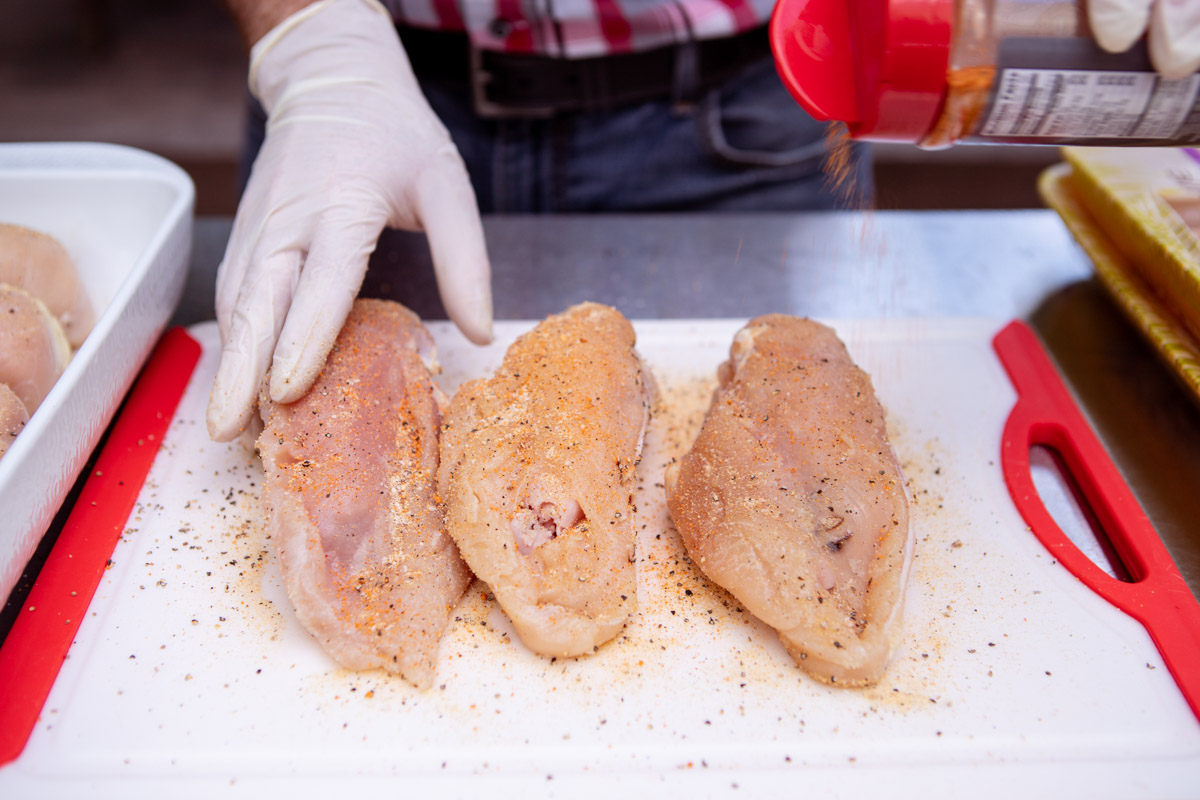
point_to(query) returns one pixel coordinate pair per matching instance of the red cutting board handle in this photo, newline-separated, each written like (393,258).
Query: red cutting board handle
(37,645)
(1046,415)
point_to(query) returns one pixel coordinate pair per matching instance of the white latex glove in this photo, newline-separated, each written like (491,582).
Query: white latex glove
(351,147)
(1173,25)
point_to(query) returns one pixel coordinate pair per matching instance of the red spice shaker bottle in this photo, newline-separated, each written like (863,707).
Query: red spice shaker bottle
(938,72)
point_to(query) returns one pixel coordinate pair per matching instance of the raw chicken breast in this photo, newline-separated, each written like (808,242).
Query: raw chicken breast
(792,500)
(13,417)
(33,350)
(350,503)
(37,263)
(538,474)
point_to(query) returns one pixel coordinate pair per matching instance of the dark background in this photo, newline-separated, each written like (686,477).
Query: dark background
(169,76)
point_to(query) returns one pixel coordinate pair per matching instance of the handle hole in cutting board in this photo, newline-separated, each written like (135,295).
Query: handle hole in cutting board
(1070,510)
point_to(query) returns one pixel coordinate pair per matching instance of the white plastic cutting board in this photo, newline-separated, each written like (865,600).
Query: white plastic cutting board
(192,675)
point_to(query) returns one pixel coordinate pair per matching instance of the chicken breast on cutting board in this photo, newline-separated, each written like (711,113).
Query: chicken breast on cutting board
(37,263)
(792,499)
(350,472)
(33,350)
(13,417)
(538,473)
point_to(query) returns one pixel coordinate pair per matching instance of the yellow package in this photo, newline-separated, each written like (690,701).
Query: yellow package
(1147,202)
(1139,296)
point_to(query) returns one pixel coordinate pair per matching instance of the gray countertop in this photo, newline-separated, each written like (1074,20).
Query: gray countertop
(891,264)
(1002,264)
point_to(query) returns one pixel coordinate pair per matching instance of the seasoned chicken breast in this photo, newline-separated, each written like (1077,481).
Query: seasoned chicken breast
(37,263)
(538,472)
(33,350)
(349,498)
(13,417)
(792,500)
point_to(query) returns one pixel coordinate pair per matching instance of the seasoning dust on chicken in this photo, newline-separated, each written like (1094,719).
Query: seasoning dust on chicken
(349,492)
(538,474)
(792,499)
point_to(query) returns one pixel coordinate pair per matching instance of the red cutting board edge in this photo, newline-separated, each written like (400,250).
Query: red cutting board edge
(1046,415)
(41,636)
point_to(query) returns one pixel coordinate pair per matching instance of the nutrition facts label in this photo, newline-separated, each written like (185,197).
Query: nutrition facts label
(1078,104)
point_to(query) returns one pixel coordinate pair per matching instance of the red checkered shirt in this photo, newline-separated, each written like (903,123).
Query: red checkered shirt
(583,28)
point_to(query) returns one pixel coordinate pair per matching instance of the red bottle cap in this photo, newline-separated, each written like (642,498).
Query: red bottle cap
(877,65)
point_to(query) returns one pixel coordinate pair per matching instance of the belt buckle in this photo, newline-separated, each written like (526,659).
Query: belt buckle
(487,108)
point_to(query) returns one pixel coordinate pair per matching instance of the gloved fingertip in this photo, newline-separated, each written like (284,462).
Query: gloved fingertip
(283,391)
(1174,38)
(478,334)
(1172,60)
(1115,41)
(230,403)
(1117,24)
(473,314)
(223,422)
(291,381)
(1173,70)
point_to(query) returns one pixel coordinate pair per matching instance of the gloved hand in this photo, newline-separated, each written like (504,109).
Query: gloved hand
(1174,31)
(351,146)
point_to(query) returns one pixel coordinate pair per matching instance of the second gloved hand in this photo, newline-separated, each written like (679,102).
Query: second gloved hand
(1172,28)
(351,147)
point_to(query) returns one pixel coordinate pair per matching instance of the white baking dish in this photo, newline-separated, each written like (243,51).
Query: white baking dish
(125,216)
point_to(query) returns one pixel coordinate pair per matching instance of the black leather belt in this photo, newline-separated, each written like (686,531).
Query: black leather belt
(513,85)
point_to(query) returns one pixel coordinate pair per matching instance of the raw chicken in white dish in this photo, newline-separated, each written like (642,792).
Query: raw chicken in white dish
(33,350)
(792,499)
(38,263)
(13,417)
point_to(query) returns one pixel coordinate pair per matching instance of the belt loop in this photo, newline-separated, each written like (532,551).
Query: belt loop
(685,83)
(595,88)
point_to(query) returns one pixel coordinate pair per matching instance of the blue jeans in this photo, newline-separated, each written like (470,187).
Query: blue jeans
(745,146)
